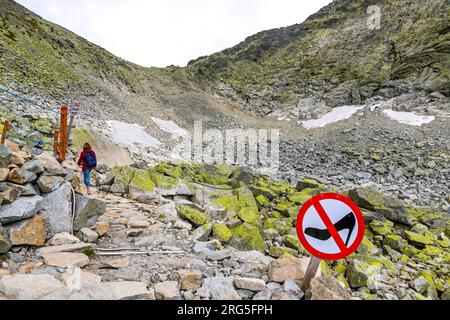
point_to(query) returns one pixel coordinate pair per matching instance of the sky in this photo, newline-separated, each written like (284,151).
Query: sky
(158,33)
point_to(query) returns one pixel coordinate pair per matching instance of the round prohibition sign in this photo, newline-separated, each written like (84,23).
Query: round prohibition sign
(330,226)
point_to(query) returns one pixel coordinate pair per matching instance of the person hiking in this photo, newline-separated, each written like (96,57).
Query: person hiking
(88,161)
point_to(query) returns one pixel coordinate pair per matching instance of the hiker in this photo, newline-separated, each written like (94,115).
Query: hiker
(88,161)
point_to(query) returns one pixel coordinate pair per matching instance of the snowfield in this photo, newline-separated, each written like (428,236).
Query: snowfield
(409,118)
(132,135)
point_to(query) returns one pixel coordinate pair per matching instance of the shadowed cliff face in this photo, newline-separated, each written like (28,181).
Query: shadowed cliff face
(339,55)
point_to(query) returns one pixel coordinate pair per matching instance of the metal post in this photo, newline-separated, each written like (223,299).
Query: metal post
(311,272)
(5,131)
(56,143)
(63,134)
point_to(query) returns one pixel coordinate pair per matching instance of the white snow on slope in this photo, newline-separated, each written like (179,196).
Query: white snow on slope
(409,118)
(337,114)
(132,135)
(170,127)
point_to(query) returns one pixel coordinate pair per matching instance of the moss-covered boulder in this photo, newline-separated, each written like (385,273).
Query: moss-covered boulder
(141,187)
(417,240)
(382,228)
(209,174)
(308,184)
(362,273)
(194,216)
(250,216)
(391,208)
(122,179)
(170,170)
(247,237)
(394,241)
(170,186)
(221,232)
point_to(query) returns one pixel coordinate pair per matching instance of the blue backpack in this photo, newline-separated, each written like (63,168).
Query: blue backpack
(91,162)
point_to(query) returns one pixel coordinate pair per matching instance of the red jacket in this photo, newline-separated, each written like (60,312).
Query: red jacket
(82,160)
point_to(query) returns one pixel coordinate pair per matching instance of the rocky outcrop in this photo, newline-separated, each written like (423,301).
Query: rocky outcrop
(23,208)
(57,210)
(88,210)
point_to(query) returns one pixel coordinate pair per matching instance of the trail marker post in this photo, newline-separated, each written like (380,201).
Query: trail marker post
(56,143)
(330,226)
(63,134)
(5,131)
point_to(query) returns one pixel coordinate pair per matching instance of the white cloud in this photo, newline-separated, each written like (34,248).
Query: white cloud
(165,32)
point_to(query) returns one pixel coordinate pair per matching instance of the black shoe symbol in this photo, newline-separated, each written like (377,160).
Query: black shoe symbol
(346,223)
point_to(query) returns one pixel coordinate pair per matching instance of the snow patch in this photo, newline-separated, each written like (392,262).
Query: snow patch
(409,118)
(170,127)
(336,115)
(132,135)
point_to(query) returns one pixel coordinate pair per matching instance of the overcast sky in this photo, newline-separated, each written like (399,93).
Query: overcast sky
(165,32)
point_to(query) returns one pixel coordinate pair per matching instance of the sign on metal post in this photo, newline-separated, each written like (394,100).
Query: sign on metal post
(330,226)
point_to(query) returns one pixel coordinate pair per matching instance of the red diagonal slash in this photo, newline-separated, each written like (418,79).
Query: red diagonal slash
(330,226)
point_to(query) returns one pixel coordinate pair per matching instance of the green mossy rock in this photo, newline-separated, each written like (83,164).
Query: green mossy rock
(221,232)
(381,228)
(308,184)
(277,251)
(250,216)
(170,170)
(122,179)
(417,240)
(247,237)
(394,241)
(391,208)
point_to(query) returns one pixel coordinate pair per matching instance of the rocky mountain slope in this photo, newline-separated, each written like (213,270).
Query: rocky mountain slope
(336,58)
(160,230)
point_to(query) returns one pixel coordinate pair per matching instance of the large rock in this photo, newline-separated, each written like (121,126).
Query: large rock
(88,210)
(10,193)
(360,274)
(391,208)
(50,164)
(255,285)
(328,288)
(247,237)
(167,291)
(34,166)
(28,287)
(29,232)
(63,238)
(23,208)
(87,235)
(57,210)
(190,280)
(21,176)
(5,156)
(167,213)
(5,243)
(49,184)
(66,259)
(286,268)
(4,174)
(221,288)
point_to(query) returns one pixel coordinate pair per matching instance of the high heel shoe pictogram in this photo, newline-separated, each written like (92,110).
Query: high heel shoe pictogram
(346,223)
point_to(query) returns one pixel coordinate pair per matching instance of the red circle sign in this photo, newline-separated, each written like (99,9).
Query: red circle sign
(330,226)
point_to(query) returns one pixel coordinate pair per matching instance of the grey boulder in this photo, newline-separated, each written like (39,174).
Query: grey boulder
(23,208)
